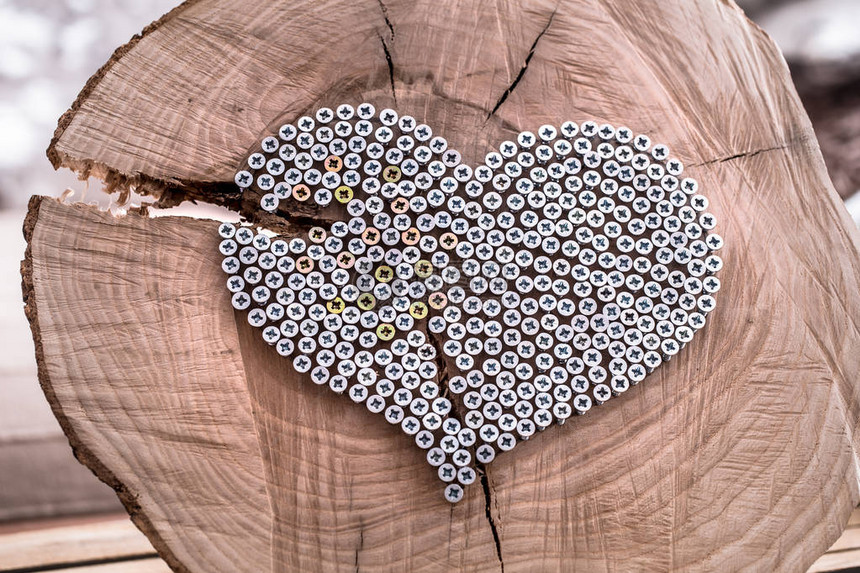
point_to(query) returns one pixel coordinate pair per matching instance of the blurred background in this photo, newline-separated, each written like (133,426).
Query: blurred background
(48,50)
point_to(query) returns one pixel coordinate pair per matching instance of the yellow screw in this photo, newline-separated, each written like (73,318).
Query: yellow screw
(384,274)
(385,332)
(423,268)
(366,301)
(335,306)
(343,194)
(418,309)
(391,174)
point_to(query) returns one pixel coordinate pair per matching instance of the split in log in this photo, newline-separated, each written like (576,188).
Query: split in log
(740,455)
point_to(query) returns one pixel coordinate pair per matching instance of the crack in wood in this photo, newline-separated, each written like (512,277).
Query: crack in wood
(752,153)
(360,546)
(305,222)
(482,470)
(390,67)
(488,505)
(523,69)
(384,9)
(167,192)
(443,370)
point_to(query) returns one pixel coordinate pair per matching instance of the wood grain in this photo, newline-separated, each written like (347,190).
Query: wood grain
(739,455)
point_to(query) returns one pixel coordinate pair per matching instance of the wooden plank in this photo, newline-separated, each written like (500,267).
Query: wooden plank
(845,552)
(850,539)
(836,561)
(35,524)
(153,565)
(114,538)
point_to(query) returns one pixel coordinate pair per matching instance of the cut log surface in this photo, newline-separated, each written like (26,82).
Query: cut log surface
(740,454)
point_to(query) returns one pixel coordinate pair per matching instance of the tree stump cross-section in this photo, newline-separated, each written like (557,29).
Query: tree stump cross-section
(739,455)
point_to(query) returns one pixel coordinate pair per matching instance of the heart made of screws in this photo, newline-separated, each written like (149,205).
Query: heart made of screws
(553,276)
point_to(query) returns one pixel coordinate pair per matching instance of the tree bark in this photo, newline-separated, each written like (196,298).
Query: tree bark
(740,454)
